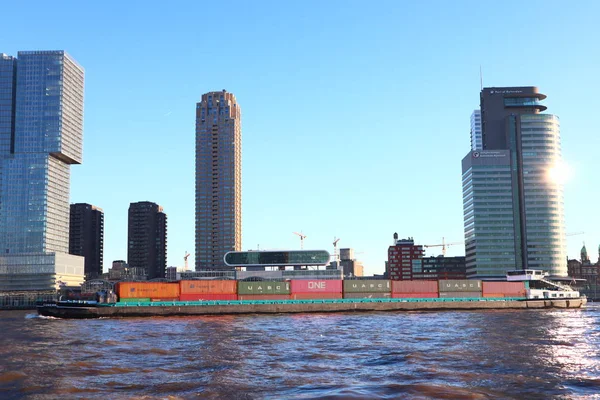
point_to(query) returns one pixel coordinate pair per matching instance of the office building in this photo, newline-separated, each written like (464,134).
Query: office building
(41,134)
(513,208)
(476,140)
(86,237)
(442,267)
(218,179)
(404,259)
(147,239)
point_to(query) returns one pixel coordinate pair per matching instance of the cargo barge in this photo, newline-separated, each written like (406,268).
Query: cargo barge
(522,290)
(181,308)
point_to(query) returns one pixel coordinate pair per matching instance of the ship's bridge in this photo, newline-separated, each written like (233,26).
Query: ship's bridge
(277,258)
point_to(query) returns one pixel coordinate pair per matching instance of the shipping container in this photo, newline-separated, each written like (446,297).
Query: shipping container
(147,289)
(263,287)
(134,300)
(460,295)
(514,289)
(316,286)
(264,297)
(367,286)
(414,287)
(208,286)
(496,295)
(165,299)
(460,285)
(415,295)
(367,295)
(315,296)
(207,297)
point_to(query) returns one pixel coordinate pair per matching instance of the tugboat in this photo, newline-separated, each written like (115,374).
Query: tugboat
(540,286)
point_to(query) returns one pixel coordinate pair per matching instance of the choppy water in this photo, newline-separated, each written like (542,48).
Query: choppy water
(529,354)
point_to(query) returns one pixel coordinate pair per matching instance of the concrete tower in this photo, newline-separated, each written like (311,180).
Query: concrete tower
(218,179)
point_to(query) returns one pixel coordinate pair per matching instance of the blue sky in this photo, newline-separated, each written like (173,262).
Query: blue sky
(355,115)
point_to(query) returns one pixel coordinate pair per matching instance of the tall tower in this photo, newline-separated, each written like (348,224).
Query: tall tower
(86,237)
(476,140)
(514,211)
(218,179)
(147,238)
(41,136)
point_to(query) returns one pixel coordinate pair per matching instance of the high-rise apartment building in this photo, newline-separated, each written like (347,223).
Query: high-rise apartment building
(476,141)
(218,179)
(41,135)
(147,239)
(513,208)
(86,237)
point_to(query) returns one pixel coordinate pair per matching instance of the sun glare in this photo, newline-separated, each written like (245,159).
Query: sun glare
(560,173)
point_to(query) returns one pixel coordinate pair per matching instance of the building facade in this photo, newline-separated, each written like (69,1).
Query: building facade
(147,239)
(404,259)
(476,139)
(41,135)
(513,207)
(86,237)
(218,179)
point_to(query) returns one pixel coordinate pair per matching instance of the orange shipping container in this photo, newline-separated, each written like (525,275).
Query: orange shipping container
(208,287)
(509,289)
(414,287)
(165,299)
(154,290)
(315,296)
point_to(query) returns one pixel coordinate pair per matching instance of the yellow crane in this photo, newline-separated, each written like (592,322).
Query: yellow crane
(443,245)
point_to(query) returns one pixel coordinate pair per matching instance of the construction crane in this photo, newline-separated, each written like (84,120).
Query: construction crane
(443,245)
(302,237)
(335,253)
(185,257)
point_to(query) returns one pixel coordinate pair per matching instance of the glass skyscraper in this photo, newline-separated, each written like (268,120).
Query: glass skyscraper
(513,208)
(218,179)
(41,135)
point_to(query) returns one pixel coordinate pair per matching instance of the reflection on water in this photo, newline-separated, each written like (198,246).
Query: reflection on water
(532,354)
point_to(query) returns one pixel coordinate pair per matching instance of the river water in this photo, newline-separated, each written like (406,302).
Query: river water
(521,354)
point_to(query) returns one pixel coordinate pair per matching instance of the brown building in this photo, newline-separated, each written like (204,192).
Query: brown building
(147,239)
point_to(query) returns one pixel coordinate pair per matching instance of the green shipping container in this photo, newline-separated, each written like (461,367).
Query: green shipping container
(367,286)
(263,287)
(134,300)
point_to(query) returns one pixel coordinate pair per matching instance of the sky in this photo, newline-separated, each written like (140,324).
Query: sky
(355,116)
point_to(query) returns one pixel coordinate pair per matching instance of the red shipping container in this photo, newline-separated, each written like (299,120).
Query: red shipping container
(496,295)
(207,297)
(414,287)
(208,286)
(153,290)
(509,289)
(263,297)
(315,296)
(415,295)
(316,286)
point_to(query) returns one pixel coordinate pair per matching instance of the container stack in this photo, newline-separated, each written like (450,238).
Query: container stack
(504,289)
(147,291)
(263,290)
(316,289)
(414,289)
(367,289)
(203,290)
(460,288)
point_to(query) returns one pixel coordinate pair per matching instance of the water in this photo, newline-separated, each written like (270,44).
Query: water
(520,354)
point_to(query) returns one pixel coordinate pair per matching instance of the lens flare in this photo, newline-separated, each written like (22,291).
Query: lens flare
(559,173)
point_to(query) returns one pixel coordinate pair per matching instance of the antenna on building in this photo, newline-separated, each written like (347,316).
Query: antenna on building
(480,77)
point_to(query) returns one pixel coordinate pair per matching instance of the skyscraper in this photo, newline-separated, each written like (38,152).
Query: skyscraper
(147,238)
(41,134)
(218,179)
(513,207)
(86,237)
(476,143)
